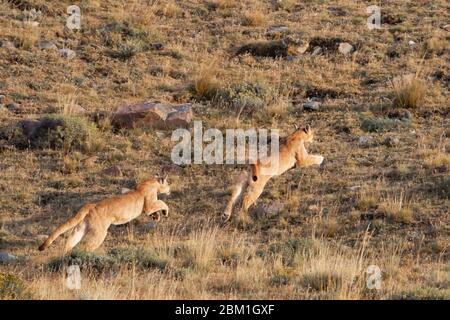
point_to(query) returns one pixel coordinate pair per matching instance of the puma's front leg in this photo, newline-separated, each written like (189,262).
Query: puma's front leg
(156,206)
(309,160)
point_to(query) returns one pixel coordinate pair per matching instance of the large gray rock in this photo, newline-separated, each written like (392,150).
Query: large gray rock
(153,114)
(6,257)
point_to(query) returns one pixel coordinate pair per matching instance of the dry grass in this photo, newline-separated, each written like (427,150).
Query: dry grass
(366,205)
(409,91)
(254,18)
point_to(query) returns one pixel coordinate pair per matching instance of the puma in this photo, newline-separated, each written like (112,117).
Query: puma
(92,221)
(250,184)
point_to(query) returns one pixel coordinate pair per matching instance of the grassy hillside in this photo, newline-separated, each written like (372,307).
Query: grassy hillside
(382,196)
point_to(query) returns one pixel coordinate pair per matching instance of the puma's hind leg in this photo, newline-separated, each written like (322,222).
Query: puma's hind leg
(253,192)
(94,237)
(75,237)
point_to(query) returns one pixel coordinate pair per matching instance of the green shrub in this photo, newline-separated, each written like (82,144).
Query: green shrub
(143,259)
(322,281)
(87,261)
(66,132)
(12,287)
(379,124)
(251,96)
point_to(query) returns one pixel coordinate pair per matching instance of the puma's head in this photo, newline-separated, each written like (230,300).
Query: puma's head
(163,185)
(160,184)
(305,134)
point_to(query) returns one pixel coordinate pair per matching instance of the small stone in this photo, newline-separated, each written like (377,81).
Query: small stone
(401,114)
(391,141)
(277,29)
(311,106)
(269,209)
(6,257)
(157,46)
(7,45)
(149,226)
(11,107)
(345,48)
(67,53)
(411,43)
(317,51)
(113,171)
(46,45)
(365,141)
(2,98)
(302,49)
(160,134)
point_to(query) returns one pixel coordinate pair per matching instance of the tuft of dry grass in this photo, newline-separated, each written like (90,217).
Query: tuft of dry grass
(396,208)
(254,18)
(409,91)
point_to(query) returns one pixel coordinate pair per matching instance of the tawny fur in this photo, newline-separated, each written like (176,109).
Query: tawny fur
(250,184)
(92,221)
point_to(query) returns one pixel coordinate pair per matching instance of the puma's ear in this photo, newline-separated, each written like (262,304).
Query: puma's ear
(307,128)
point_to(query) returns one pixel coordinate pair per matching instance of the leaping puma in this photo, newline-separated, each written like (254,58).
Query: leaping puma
(251,183)
(91,223)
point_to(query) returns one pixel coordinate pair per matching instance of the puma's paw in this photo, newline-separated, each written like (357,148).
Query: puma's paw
(320,160)
(156,216)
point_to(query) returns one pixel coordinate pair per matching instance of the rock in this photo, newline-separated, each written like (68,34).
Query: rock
(401,114)
(311,106)
(156,46)
(6,257)
(277,29)
(391,141)
(113,171)
(46,45)
(303,48)
(147,227)
(411,43)
(67,53)
(153,114)
(7,45)
(172,168)
(345,48)
(12,107)
(317,51)
(270,209)
(365,141)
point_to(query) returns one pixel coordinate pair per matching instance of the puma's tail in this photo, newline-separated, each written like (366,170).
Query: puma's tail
(236,194)
(255,171)
(71,223)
